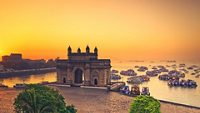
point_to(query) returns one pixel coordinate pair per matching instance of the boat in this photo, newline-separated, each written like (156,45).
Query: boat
(182,65)
(163,69)
(197,70)
(190,68)
(125,90)
(145,91)
(135,90)
(193,73)
(175,73)
(165,77)
(20,86)
(184,70)
(116,86)
(128,72)
(152,73)
(3,86)
(197,76)
(114,71)
(115,77)
(154,67)
(142,69)
(182,83)
(137,66)
(191,83)
(138,79)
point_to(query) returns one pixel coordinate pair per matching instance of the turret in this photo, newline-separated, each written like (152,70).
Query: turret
(87,49)
(79,50)
(69,50)
(96,50)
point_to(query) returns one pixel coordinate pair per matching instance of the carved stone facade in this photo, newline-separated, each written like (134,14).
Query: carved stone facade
(83,68)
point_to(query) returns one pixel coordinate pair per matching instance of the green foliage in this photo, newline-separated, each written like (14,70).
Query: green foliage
(41,99)
(71,109)
(145,104)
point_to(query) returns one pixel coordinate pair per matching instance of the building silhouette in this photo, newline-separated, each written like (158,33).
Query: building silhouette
(83,68)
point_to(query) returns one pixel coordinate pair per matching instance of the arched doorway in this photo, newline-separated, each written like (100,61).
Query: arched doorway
(78,76)
(95,78)
(64,80)
(95,81)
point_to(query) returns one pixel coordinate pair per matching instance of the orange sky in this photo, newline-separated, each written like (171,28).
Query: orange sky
(121,29)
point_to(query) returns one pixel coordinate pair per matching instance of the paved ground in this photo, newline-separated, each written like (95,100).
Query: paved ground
(91,101)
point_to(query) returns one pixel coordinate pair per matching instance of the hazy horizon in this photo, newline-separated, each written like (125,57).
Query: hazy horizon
(122,30)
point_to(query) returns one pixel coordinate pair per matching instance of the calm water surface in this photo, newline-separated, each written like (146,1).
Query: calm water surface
(39,78)
(159,89)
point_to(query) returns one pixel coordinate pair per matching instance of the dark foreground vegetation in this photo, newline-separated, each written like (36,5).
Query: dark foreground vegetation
(145,104)
(41,99)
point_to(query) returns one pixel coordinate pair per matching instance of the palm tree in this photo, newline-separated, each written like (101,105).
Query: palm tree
(30,102)
(41,99)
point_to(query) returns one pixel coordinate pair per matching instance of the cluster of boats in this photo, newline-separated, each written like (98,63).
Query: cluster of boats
(152,73)
(138,79)
(129,72)
(114,71)
(173,78)
(171,75)
(182,83)
(115,77)
(135,90)
(142,68)
(156,71)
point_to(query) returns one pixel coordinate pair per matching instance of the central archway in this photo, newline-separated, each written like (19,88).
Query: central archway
(78,76)
(95,81)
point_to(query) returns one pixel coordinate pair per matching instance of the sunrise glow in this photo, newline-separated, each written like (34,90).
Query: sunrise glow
(121,29)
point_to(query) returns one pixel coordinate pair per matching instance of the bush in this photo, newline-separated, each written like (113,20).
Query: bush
(41,99)
(145,104)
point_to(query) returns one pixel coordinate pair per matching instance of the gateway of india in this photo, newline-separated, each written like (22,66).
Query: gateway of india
(83,68)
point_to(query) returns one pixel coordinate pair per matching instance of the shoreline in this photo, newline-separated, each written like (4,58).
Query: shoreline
(105,89)
(26,72)
(179,104)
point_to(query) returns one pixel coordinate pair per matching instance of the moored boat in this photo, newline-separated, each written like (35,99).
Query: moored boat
(135,90)
(115,77)
(125,90)
(128,72)
(3,86)
(145,91)
(142,69)
(182,83)
(197,76)
(20,86)
(138,79)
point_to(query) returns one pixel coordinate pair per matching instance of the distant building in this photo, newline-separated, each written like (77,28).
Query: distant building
(51,63)
(83,68)
(1,68)
(16,62)
(12,58)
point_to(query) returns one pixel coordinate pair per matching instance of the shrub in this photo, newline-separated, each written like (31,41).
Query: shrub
(41,99)
(145,104)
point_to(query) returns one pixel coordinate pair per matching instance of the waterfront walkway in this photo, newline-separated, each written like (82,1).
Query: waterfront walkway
(92,101)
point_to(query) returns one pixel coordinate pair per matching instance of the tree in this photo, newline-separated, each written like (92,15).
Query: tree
(145,104)
(41,99)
